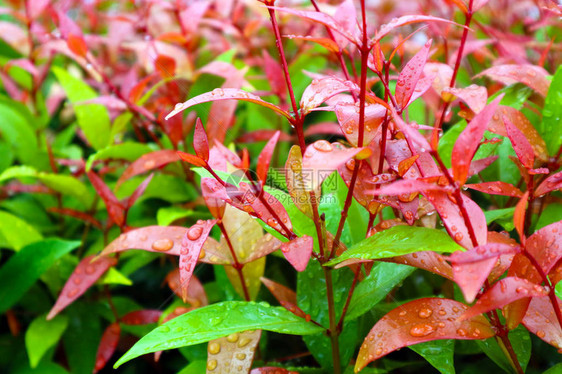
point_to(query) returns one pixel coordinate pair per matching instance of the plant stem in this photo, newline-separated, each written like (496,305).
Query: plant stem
(237,265)
(333,331)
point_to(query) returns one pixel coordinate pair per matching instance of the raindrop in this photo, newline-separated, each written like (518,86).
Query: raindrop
(194,233)
(425,313)
(214,348)
(323,146)
(162,245)
(421,329)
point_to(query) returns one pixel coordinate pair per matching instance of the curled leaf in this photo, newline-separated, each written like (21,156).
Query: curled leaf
(200,142)
(298,251)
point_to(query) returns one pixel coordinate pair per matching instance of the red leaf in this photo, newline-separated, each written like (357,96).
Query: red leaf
(450,214)
(467,143)
(474,96)
(194,160)
(215,205)
(406,187)
(348,119)
(139,191)
(272,370)
(265,245)
(148,162)
(406,20)
(265,158)
(191,251)
(196,295)
(141,317)
(541,321)
(552,183)
(502,293)
(83,277)
(496,188)
(77,45)
(322,158)
(274,74)
(322,89)
(476,166)
(520,143)
(298,251)
(226,94)
(346,17)
(107,346)
(420,321)
(115,209)
(530,75)
(200,142)
(426,260)
(263,135)
(483,252)
(519,216)
(280,292)
(165,66)
(78,215)
(164,239)
(471,276)
(545,245)
(410,75)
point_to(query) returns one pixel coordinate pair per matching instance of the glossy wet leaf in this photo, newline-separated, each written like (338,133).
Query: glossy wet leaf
(200,142)
(541,321)
(474,96)
(149,162)
(226,94)
(26,266)
(410,75)
(265,158)
(218,320)
(403,21)
(427,260)
(141,317)
(420,321)
(397,241)
(468,141)
(107,346)
(190,252)
(297,180)
(88,271)
(281,293)
(298,251)
(233,353)
(41,335)
(370,291)
(546,245)
(470,276)
(502,293)
(322,89)
(17,232)
(530,75)
(552,114)
(115,208)
(163,239)
(348,119)
(439,353)
(551,183)
(496,188)
(520,143)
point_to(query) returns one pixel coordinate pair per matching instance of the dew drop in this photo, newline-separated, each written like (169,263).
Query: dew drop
(241,356)
(211,365)
(541,334)
(232,338)
(323,146)
(421,329)
(461,332)
(214,348)
(244,342)
(162,245)
(194,233)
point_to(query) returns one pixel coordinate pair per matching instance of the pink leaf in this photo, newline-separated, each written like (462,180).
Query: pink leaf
(190,251)
(265,245)
(322,89)
(83,277)
(163,239)
(139,191)
(265,158)
(520,143)
(214,204)
(541,320)
(420,321)
(406,187)
(496,188)
(474,96)
(115,209)
(196,295)
(272,370)
(280,292)
(322,158)
(467,143)
(552,183)
(502,293)
(426,260)
(274,74)
(107,346)
(519,216)
(530,75)
(471,276)
(141,317)
(148,162)
(200,142)
(263,135)
(346,17)
(545,245)
(406,20)
(482,252)
(348,119)
(410,75)
(226,94)
(298,251)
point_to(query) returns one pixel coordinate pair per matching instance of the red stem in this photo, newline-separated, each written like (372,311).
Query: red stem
(237,265)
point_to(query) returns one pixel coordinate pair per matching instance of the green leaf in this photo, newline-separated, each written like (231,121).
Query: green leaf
(19,171)
(218,320)
(26,266)
(312,299)
(165,216)
(550,128)
(17,232)
(497,214)
(398,241)
(439,353)
(114,276)
(521,342)
(67,185)
(370,291)
(194,367)
(42,335)
(555,369)
(93,119)
(17,130)
(82,337)
(129,151)
(558,289)
(552,213)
